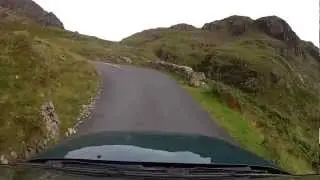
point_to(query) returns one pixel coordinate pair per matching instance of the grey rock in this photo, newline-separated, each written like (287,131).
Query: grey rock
(127,60)
(204,85)
(70,132)
(3,160)
(51,120)
(30,152)
(13,154)
(196,79)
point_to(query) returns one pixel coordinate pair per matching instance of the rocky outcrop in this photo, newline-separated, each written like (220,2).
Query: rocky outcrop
(183,27)
(195,79)
(277,28)
(33,11)
(236,75)
(51,121)
(312,50)
(271,25)
(50,19)
(280,29)
(50,133)
(236,25)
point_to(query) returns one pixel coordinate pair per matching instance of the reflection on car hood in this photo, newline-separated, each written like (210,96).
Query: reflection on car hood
(153,147)
(136,154)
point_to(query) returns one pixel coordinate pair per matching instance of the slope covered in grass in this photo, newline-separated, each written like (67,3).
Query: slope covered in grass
(38,66)
(260,66)
(33,71)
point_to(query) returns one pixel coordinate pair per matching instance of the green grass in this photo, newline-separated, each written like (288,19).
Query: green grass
(232,121)
(243,127)
(34,70)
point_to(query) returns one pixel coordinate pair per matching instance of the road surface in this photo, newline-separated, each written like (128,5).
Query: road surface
(139,99)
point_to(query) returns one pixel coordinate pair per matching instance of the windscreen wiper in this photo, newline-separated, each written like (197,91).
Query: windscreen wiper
(155,170)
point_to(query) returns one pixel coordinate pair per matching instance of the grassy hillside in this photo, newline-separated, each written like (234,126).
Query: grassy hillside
(41,63)
(32,71)
(35,67)
(269,75)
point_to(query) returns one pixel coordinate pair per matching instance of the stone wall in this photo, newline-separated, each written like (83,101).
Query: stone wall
(195,79)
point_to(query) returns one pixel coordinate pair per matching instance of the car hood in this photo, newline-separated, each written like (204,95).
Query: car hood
(153,147)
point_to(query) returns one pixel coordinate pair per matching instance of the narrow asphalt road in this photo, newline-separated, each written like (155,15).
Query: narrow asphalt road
(138,99)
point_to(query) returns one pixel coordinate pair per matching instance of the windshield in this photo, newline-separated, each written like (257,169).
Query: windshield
(210,84)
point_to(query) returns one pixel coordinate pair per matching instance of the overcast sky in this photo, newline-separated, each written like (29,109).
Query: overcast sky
(117,19)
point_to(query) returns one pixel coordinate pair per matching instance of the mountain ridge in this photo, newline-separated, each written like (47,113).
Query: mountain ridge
(271,25)
(33,11)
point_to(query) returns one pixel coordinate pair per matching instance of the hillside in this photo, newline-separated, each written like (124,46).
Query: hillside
(30,9)
(261,67)
(43,64)
(35,72)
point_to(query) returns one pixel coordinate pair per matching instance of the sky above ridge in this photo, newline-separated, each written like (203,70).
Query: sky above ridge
(117,19)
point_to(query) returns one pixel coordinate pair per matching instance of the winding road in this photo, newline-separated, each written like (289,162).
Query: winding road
(139,99)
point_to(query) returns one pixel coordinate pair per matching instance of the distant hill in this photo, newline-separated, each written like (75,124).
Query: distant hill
(261,63)
(31,10)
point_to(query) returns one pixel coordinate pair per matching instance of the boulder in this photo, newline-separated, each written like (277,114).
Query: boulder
(3,160)
(196,79)
(127,60)
(13,155)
